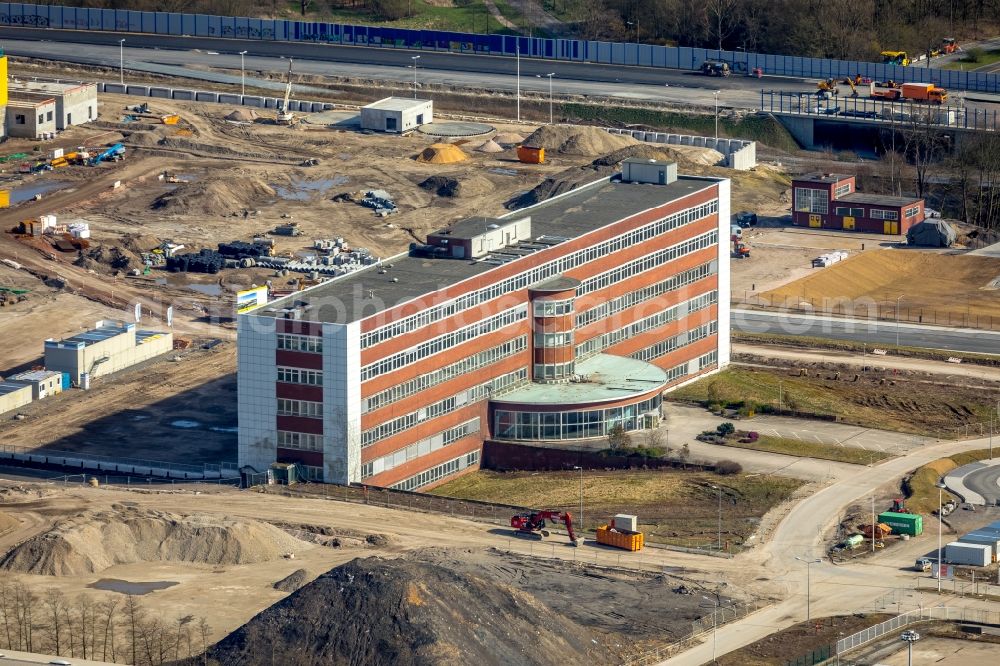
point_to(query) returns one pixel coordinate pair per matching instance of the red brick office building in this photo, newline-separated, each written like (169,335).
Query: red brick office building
(831,201)
(550,324)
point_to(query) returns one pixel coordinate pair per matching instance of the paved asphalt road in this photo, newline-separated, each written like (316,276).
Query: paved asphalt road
(985,481)
(875,333)
(654,84)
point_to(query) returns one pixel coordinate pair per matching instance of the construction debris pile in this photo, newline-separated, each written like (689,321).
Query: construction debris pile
(378,200)
(235,254)
(91,542)
(408,608)
(442,153)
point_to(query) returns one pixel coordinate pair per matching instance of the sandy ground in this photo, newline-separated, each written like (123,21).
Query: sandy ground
(945,652)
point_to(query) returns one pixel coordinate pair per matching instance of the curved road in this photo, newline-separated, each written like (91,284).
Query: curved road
(985,482)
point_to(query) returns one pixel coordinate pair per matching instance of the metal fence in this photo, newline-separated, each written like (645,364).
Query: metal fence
(933,613)
(615,53)
(881,112)
(27,457)
(816,656)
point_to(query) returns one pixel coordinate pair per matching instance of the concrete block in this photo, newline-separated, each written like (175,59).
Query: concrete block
(698,141)
(161,93)
(100,87)
(183,94)
(253,100)
(327,106)
(270,103)
(229,98)
(114,88)
(722,145)
(673,138)
(660,137)
(685,140)
(141,91)
(316,107)
(206,96)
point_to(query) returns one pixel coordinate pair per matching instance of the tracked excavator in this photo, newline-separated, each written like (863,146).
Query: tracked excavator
(535,523)
(283,116)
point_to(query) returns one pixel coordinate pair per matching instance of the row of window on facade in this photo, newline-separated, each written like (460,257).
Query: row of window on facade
(421,448)
(539,273)
(574,425)
(437,473)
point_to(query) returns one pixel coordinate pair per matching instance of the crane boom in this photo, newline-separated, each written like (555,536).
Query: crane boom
(283,115)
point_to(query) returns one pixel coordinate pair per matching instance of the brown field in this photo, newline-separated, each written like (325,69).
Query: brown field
(938,287)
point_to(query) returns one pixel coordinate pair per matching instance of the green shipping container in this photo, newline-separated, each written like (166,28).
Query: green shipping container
(903,523)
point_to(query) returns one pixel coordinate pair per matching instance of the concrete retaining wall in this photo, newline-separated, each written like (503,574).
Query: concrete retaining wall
(737,153)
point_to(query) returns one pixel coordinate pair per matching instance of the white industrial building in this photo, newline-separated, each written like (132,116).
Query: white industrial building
(75,103)
(43,383)
(13,395)
(397,114)
(109,347)
(30,116)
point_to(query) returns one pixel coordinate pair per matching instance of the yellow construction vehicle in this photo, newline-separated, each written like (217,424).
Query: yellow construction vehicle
(854,88)
(899,58)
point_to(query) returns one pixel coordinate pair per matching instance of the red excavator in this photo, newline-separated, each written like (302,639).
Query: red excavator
(531,523)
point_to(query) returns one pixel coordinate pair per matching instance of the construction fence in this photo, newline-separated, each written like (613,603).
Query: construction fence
(612,53)
(21,456)
(865,309)
(932,613)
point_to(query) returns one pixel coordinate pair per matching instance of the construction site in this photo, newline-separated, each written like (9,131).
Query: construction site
(174,217)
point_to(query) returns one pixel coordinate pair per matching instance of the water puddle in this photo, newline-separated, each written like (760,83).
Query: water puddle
(503,172)
(19,194)
(207,289)
(303,190)
(185,423)
(129,587)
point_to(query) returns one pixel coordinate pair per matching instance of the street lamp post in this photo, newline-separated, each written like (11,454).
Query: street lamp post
(581,499)
(243,74)
(897,318)
(910,637)
(873,523)
(716,93)
(518,93)
(121,61)
(550,95)
(415,59)
(940,487)
(719,488)
(715,625)
(809,564)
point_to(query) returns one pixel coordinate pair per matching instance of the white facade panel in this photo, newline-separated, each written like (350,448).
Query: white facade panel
(342,402)
(725,191)
(256,379)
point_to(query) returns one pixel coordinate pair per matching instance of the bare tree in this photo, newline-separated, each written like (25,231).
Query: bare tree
(721,15)
(7,608)
(107,610)
(182,635)
(134,614)
(204,631)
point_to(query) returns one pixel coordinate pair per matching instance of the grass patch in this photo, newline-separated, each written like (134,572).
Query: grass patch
(761,128)
(797,447)
(812,343)
(674,506)
(466,16)
(980,59)
(865,399)
(793,645)
(921,488)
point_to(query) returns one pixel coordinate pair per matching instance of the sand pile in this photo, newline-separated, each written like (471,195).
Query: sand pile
(242,116)
(449,186)
(91,542)
(508,139)
(224,196)
(442,153)
(577,140)
(292,581)
(142,139)
(490,146)
(683,155)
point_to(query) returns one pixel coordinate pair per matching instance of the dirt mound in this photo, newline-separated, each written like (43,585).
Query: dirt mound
(231,194)
(441,153)
(448,186)
(242,116)
(7,522)
(490,146)
(292,581)
(577,140)
(109,257)
(91,542)
(683,155)
(508,139)
(414,613)
(139,243)
(564,181)
(143,139)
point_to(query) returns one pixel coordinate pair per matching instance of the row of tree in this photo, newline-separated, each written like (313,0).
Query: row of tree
(117,629)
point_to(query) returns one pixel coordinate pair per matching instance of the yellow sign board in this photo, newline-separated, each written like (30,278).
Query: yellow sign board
(250,299)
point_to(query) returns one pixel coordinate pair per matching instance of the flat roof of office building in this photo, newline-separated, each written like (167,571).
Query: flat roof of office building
(827,178)
(48,87)
(587,208)
(95,335)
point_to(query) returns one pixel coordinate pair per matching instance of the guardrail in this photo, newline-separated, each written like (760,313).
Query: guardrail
(613,53)
(901,115)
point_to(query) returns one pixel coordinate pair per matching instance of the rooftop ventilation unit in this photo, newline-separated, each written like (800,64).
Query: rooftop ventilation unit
(655,172)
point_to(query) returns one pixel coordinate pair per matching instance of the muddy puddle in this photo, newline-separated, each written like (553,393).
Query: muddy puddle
(137,588)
